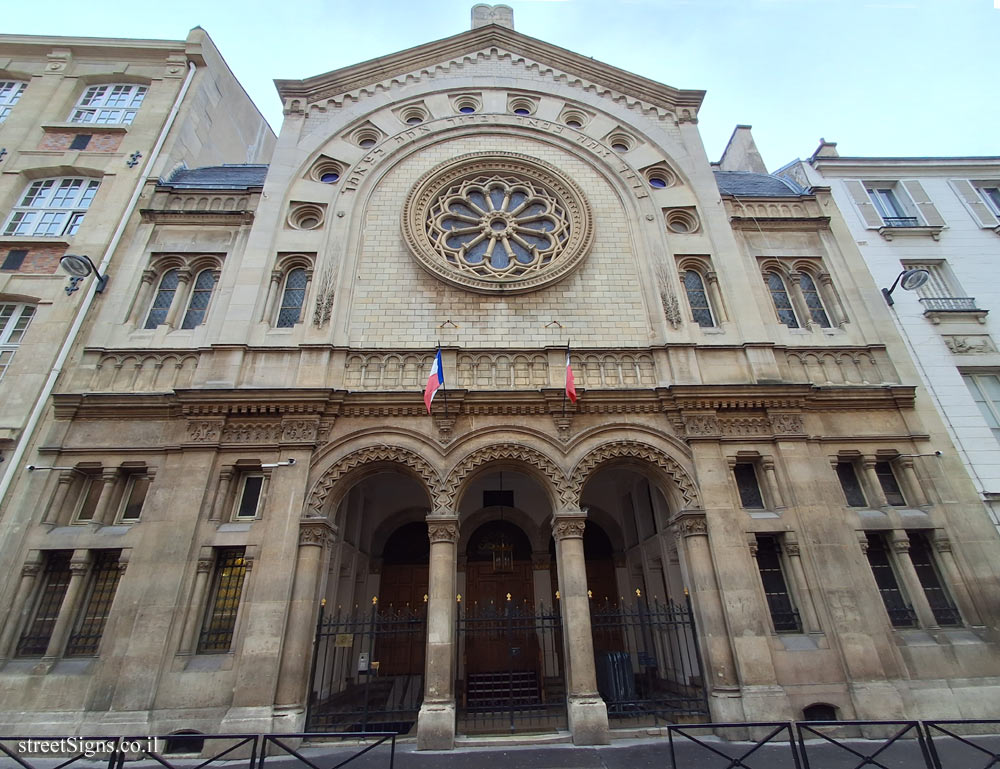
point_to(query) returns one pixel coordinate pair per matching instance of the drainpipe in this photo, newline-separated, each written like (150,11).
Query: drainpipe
(74,331)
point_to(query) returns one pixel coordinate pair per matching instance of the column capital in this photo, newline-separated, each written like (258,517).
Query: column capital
(691,523)
(31,569)
(317,532)
(569,524)
(900,544)
(442,527)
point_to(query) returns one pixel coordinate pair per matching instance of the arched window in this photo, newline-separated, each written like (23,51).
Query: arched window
(814,303)
(109,104)
(200,296)
(782,302)
(163,299)
(51,207)
(701,310)
(292,298)
(10,92)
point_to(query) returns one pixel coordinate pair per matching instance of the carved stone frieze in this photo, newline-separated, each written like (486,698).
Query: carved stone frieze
(786,424)
(738,426)
(691,524)
(315,532)
(203,431)
(299,430)
(251,432)
(700,425)
(970,344)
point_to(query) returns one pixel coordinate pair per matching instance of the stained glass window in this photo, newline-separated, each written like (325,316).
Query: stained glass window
(813,300)
(292,299)
(200,296)
(163,299)
(782,302)
(701,311)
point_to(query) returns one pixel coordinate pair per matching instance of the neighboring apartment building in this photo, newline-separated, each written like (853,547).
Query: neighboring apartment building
(259,527)
(941,215)
(84,123)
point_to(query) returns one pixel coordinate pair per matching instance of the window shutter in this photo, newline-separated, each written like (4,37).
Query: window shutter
(927,210)
(970,197)
(864,203)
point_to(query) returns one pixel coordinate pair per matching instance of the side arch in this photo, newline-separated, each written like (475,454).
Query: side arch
(323,496)
(687,489)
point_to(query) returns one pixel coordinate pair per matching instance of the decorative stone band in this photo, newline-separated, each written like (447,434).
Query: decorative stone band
(692,523)
(569,525)
(318,532)
(442,528)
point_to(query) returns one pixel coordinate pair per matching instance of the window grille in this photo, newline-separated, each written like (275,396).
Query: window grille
(749,488)
(900,615)
(224,601)
(55,581)
(779,602)
(86,636)
(938,598)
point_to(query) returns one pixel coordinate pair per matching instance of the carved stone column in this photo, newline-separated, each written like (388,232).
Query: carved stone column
(315,535)
(55,512)
(436,720)
(222,493)
(103,511)
(79,567)
(716,297)
(586,711)
(809,617)
(911,582)
(720,666)
(273,290)
(179,299)
(188,637)
(29,573)
(771,480)
(914,491)
(875,493)
(952,578)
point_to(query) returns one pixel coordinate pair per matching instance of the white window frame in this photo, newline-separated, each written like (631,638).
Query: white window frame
(241,493)
(15,318)
(130,482)
(86,487)
(891,195)
(52,208)
(10,92)
(109,104)
(990,193)
(989,408)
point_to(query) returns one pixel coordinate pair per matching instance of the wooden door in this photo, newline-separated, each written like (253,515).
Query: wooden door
(495,640)
(400,640)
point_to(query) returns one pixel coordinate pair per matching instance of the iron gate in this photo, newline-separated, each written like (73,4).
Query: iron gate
(368,670)
(510,669)
(648,664)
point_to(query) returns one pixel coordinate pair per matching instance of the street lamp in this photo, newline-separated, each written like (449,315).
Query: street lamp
(79,267)
(908,280)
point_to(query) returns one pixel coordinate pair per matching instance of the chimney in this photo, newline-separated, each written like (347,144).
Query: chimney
(483,15)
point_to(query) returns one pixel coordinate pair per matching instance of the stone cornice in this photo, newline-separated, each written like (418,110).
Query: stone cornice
(196,217)
(901,167)
(394,65)
(785,223)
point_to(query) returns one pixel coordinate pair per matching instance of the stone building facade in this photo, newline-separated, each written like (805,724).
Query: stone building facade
(942,215)
(260,525)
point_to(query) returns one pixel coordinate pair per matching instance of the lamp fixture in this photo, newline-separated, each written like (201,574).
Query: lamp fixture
(908,280)
(286,463)
(32,468)
(79,267)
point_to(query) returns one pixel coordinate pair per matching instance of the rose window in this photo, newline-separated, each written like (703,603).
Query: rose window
(497,223)
(497,226)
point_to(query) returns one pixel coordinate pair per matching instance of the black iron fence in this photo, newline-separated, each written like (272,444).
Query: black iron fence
(647,661)
(951,744)
(511,672)
(368,668)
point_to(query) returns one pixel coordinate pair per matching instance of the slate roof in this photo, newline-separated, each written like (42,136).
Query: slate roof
(230,176)
(745,184)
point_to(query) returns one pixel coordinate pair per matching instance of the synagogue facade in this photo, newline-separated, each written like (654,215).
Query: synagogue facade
(252,524)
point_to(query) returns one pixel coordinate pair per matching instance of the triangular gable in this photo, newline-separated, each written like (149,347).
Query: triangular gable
(428,55)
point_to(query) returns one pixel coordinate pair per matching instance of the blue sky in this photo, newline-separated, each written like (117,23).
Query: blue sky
(880,77)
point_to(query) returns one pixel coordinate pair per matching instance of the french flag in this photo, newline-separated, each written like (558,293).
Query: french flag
(435,381)
(570,381)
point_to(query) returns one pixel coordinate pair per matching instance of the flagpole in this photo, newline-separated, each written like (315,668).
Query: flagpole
(564,387)
(444,384)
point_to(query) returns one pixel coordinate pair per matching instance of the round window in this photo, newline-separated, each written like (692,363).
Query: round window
(497,223)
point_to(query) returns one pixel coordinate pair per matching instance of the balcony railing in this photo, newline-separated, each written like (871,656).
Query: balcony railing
(949,304)
(901,221)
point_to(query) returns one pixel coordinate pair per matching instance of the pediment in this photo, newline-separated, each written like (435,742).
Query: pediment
(491,39)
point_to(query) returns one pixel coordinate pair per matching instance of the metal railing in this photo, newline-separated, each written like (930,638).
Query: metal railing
(901,221)
(949,304)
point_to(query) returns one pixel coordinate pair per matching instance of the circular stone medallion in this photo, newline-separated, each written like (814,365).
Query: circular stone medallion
(497,223)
